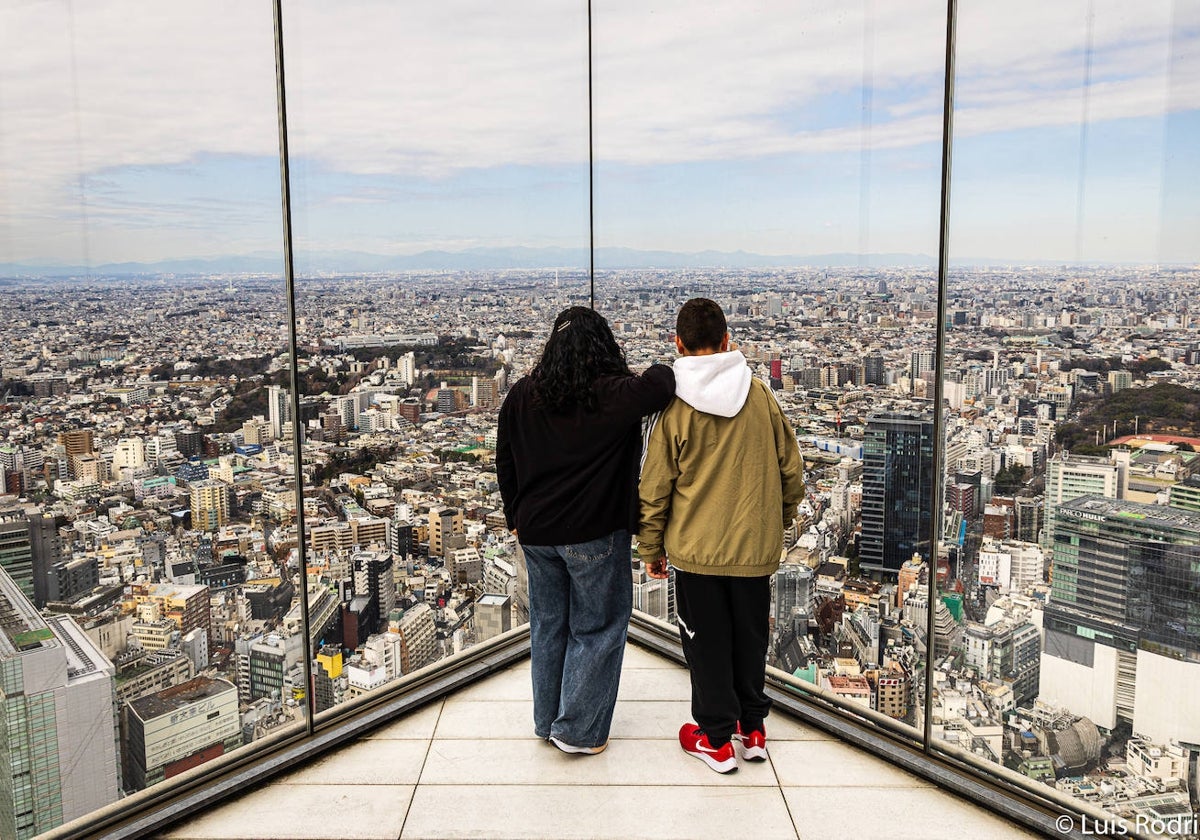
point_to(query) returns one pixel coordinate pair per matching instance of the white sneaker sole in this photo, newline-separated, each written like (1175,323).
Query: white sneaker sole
(727,766)
(752,753)
(574,750)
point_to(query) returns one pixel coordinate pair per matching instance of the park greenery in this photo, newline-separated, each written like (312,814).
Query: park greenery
(1163,409)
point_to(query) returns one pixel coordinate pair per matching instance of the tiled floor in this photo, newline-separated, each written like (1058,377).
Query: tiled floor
(469,766)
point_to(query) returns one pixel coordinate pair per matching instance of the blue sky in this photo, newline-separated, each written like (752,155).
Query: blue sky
(130,134)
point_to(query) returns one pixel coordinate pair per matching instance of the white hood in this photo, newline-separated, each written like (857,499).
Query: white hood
(715,384)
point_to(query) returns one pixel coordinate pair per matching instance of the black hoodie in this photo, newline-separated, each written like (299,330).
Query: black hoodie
(572,477)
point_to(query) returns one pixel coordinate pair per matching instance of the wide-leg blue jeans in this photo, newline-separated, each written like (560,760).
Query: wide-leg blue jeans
(580,600)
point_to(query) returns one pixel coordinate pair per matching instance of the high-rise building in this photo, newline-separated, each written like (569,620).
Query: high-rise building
(1122,628)
(386,650)
(493,616)
(58,738)
(68,580)
(483,393)
(160,449)
(279,409)
(1119,380)
(1029,512)
(75,442)
(187,605)
(179,728)
(129,455)
(1071,476)
(650,595)
(1005,652)
(897,480)
(373,577)
(794,591)
(1186,494)
(908,579)
(464,565)
(873,370)
(16,549)
(442,523)
(961,496)
(998,519)
(326,669)
(450,399)
(255,432)
(418,632)
(921,361)
(89,468)
(402,540)
(267,666)
(1010,565)
(407,365)
(189,442)
(210,504)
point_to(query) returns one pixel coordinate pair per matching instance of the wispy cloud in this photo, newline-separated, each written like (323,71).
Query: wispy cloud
(428,90)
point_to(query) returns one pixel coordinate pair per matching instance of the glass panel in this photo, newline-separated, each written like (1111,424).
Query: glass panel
(140,249)
(785,164)
(439,167)
(1070,384)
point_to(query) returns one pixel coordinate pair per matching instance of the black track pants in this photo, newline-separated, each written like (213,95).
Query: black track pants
(723,626)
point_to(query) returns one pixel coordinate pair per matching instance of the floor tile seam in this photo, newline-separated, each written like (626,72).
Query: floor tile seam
(337,784)
(421,772)
(593,784)
(670,739)
(622,738)
(921,786)
(876,786)
(729,783)
(268,785)
(340,836)
(787,808)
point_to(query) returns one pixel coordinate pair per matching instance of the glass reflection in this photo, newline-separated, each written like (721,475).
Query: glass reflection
(140,251)
(1070,369)
(785,164)
(440,208)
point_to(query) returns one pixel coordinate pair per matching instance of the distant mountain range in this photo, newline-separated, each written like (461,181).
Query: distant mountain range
(488,259)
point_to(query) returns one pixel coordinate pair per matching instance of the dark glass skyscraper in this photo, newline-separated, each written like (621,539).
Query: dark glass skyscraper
(874,372)
(897,482)
(1134,565)
(1122,626)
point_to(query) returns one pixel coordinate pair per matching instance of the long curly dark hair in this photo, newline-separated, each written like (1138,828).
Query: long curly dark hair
(581,347)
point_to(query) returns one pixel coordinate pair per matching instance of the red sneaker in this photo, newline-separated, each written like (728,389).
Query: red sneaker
(695,742)
(754,745)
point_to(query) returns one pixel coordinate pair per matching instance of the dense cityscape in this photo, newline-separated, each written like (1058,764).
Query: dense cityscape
(151,565)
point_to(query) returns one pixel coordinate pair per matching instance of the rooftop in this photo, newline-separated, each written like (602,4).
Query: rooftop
(1156,517)
(21,626)
(468,765)
(179,696)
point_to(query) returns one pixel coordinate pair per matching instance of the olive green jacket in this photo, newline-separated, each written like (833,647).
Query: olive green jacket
(717,492)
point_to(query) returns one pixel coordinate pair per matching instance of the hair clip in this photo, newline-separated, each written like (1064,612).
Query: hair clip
(562,326)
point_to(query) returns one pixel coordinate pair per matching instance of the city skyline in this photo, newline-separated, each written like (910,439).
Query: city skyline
(134,136)
(230,505)
(154,488)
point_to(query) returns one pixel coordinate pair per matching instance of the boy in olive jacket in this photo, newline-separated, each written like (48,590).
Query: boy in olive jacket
(721,479)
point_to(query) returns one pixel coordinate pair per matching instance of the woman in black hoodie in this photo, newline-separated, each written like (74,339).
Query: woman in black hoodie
(567,454)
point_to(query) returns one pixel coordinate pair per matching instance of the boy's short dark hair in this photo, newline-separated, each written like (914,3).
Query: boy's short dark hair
(701,325)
